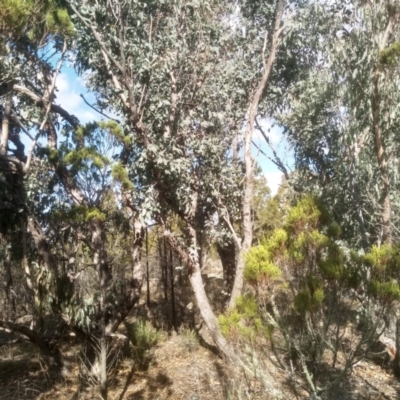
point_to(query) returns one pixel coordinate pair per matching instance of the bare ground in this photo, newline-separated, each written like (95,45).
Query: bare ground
(180,370)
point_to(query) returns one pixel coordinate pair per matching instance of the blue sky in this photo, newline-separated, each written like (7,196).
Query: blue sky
(70,87)
(270,170)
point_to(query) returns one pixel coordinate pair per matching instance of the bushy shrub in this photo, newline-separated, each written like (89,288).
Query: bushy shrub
(305,287)
(143,337)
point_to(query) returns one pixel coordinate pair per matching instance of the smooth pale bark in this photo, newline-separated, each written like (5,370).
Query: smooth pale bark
(202,301)
(147,269)
(123,82)
(103,367)
(191,261)
(208,315)
(380,147)
(382,158)
(248,138)
(5,126)
(172,283)
(25,261)
(104,275)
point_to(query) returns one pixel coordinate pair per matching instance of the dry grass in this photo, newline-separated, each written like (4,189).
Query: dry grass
(180,369)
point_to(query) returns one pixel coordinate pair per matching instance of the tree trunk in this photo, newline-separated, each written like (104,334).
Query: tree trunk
(165,268)
(228,255)
(162,267)
(105,277)
(25,261)
(11,310)
(396,362)
(172,280)
(191,260)
(381,155)
(208,315)
(380,147)
(147,269)
(248,180)
(103,355)
(5,126)
(51,355)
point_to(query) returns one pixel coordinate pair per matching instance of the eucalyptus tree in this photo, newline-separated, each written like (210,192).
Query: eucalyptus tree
(25,28)
(67,196)
(164,66)
(342,116)
(271,57)
(263,26)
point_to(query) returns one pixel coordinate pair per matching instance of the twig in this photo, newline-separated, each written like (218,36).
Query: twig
(100,112)
(278,162)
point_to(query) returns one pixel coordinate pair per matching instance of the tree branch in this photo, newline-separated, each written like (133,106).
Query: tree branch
(97,37)
(71,119)
(100,112)
(278,162)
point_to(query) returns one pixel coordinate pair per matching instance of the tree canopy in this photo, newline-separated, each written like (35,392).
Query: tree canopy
(186,86)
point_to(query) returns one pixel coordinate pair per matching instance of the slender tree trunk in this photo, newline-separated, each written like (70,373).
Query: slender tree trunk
(191,260)
(25,261)
(208,315)
(147,268)
(10,298)
(165,267)
(396,362)
(5,126)
(103,354)
(104,274)
(228,255)
(381,155)
(380,147)
(163,277)
(248,187)
(172,284)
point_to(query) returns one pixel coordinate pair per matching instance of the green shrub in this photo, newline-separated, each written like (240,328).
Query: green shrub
(259,268)
(188,339)
(244,320)
(318,290)
(143,337)
(247,306)
(229,322)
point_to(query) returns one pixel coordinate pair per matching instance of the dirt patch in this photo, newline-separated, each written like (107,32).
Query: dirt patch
(180,369)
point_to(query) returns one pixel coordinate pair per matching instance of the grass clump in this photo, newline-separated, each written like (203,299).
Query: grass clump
(144,337)
(189,340)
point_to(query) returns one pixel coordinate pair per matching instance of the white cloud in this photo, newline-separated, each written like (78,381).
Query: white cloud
(68,97)
(274,180)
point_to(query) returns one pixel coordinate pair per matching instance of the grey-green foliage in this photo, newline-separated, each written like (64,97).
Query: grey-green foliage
(177,57)
(328,118)
(293,57)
